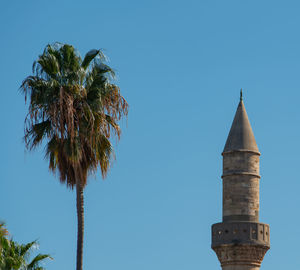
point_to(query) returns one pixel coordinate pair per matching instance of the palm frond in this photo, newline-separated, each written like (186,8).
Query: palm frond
(90,56)
(35,263)
(37,132)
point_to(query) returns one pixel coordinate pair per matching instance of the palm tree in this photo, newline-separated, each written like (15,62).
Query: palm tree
(75,108)
(14,256)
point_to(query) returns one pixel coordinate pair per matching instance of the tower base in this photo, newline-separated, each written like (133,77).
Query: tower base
(240,257)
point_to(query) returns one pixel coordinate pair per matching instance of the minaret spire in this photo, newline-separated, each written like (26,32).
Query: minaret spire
(241,136)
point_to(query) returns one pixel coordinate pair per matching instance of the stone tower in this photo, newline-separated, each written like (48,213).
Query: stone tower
(240,240)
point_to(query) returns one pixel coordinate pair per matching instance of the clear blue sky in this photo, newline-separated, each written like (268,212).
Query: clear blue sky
(180,65)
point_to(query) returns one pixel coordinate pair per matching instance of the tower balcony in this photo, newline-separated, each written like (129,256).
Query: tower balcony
(239,233)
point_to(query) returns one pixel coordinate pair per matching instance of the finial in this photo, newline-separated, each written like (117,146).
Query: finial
(241,95)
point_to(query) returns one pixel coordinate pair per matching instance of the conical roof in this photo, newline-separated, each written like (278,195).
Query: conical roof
(241,135)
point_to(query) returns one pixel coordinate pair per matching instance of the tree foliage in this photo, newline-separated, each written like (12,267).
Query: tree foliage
(15,256)
(75,107)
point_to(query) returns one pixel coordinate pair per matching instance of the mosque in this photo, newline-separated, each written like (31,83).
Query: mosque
(240,240)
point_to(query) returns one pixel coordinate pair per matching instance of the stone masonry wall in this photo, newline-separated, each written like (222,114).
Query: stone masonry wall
(241,186)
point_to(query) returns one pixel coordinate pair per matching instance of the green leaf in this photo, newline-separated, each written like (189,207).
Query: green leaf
(90,56)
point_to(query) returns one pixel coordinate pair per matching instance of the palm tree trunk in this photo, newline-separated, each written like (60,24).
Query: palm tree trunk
(80,219)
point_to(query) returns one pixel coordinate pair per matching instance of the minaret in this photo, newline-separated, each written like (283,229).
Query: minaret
(240,240)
